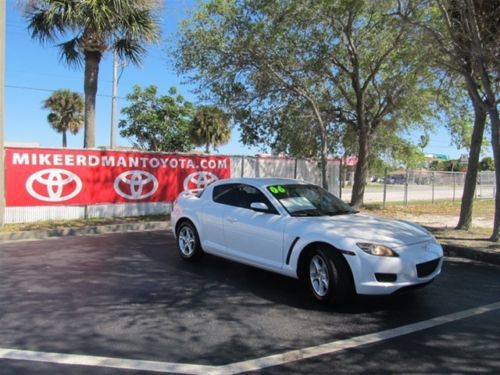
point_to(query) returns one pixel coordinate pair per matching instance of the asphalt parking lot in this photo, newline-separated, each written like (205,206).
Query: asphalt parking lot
(127,304)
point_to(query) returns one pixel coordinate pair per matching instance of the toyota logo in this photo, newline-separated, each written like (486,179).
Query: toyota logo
(135,184)
(199,180)
(53,185)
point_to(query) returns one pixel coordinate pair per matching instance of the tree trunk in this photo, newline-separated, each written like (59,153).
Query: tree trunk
(207,137)
(495,144)
(323,143)
(491,103)
(324,157)
(465,219)
(65,141)
(92,59)
(207,144)
(358,188)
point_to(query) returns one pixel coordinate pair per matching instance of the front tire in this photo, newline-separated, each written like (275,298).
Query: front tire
(188,242)
(328,277)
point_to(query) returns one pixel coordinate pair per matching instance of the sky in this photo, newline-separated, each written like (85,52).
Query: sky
(33,71)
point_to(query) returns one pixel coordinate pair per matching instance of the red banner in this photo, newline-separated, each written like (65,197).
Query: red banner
(47,177)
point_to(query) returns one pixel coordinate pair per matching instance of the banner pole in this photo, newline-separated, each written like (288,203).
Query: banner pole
(2,114)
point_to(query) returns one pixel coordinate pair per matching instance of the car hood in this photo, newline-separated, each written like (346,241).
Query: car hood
(364,228)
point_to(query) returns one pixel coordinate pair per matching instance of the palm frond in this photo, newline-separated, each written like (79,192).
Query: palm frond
(49,19)
(55,121)
(39,27)
(130,50)
(140,24)
(70,53)
(66,110)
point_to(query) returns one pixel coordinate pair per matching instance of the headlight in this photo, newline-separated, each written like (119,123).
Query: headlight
(377,250)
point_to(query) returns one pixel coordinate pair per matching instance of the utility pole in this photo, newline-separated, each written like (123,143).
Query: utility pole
(2,85)
(114,95)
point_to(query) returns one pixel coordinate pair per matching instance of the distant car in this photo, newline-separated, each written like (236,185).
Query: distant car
(300,230)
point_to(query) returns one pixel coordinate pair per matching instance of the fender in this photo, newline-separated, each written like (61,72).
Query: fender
(302,244)
(189,213)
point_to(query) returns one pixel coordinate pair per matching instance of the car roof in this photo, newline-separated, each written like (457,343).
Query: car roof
(261,182)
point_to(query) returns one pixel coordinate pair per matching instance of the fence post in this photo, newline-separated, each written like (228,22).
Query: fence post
(340,179)
(478,178)
(454,185)
(406,187)
(433,179)
(3,7)
(480,186)
(385,188)
(295,168)
(242,166)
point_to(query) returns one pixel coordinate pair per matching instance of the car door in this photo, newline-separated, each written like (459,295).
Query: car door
(250,236)
(212,219)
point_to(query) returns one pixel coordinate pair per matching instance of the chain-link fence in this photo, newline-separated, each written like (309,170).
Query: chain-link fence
(422,185)
(394,186)
(281,167)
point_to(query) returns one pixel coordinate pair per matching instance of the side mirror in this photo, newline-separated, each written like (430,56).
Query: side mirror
(259,207)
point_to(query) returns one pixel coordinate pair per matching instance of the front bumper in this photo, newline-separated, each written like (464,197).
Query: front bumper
(417,264)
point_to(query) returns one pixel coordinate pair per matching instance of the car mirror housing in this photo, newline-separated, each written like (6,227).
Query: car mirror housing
(259,207)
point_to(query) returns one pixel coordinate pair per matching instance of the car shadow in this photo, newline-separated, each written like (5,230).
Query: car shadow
(270,286)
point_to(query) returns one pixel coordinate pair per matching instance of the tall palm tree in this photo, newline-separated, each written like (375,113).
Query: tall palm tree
(66,112)
(209,126)
(90,28)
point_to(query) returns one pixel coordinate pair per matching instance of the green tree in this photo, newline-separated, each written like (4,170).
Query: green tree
(342,63)
(450,165)
(251,56)
(376,64)
(209,127)
(157,123)
(66,112)
(487,164)
(290,129)
(89,29)
(407,154)
(465,34)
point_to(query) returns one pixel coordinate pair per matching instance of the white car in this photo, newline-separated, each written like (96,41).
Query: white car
(300,230)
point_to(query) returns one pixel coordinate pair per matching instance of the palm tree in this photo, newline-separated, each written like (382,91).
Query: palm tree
(66,112)
(210,126)
(90,28)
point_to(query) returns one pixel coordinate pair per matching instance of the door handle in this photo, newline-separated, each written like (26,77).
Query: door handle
(231,219)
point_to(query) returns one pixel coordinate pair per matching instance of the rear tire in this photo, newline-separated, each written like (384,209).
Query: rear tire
(328,277)
(188,242)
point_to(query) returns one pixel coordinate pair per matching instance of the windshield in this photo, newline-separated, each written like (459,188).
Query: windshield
(309,200)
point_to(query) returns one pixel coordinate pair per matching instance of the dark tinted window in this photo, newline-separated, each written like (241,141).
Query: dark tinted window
(240,195)
(228,194)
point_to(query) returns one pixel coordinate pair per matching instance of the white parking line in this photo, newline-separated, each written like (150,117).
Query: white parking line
(93,361)
(250,365)
(336,346)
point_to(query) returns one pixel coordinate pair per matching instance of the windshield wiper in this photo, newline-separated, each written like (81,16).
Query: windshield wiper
(341,212)
(307,212)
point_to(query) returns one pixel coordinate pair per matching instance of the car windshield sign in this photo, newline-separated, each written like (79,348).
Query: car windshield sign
(309,200)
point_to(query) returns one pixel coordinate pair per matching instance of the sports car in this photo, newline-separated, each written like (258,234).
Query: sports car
(302,231)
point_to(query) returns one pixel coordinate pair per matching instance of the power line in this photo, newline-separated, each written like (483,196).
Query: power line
(52,90)
(76,76)
(24,72)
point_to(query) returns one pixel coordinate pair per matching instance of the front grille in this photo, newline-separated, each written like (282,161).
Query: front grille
(425,269)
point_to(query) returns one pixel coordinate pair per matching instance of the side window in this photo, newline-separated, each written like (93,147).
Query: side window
(227,194)
(240,195)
